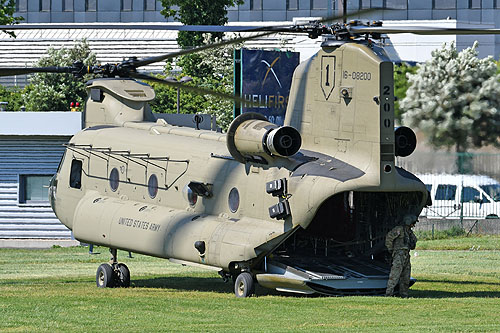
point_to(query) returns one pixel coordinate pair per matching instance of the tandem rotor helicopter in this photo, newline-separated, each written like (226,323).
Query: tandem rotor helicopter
(301,208)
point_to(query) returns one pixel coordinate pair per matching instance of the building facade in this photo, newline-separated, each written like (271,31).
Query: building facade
(72,11)
(31,147)
(458,13)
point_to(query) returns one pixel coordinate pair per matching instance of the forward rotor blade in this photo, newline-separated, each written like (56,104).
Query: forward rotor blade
(197,90)
(424,30)
(266,32)
(9,71)
(108,26)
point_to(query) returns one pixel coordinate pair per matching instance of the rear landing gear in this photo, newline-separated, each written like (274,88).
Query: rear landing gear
(244,286)
(113,274)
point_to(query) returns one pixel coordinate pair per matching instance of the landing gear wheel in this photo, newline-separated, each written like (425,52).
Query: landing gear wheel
(244,285)
(122,276)
(104,276)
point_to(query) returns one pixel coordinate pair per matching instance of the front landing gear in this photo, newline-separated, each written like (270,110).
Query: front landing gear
(244,286)
(113,274)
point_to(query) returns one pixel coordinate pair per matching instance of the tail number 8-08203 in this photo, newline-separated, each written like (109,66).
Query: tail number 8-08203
(362,76)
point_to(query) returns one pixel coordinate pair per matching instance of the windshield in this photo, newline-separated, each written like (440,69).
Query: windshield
(492,190)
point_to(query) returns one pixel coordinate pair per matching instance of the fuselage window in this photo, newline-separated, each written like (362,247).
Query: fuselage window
(153,186)
(234,200)
(75,176)
(114,179)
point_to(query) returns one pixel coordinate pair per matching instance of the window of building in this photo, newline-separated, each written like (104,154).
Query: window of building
(445,192)
(127,5)
(363,4)
(90,5)
(75,176)
(292,4)
(444,4)
(318,4)
(68,5)
(34,188)
(255,4)
(396,4)
(496,4)
(475,4)
(21,5)
(149,5)
(45,5)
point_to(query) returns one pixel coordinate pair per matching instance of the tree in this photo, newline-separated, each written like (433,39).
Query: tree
(7,10)
(219,79)
(454,98)
(210,69)
(13,96)
(401,85)
(197,12)
(49,92)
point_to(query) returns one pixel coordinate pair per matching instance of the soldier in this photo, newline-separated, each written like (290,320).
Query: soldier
(399,241)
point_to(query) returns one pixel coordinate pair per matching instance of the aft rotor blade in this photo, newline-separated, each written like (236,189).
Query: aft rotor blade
(9,71)
(151,60)
(177,27)
(423,30)
(197,90)
(266,32)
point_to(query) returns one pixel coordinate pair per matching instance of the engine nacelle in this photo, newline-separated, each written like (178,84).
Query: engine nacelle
(405,141)
(251,136)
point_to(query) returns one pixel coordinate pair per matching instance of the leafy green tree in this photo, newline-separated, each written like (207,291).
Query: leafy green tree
(219,79)
(7,10)
(52,92)
(13,96)
(197,12)
(401,85)
(454,98)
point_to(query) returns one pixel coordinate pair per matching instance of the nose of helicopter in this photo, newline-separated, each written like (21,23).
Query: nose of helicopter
(52,192)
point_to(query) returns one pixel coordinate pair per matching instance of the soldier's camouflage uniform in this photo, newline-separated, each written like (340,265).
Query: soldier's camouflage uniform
(399,241)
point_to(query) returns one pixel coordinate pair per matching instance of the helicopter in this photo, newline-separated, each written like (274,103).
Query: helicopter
(300,208)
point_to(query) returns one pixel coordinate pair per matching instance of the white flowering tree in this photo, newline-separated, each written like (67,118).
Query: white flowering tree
(55,91)
(454,98)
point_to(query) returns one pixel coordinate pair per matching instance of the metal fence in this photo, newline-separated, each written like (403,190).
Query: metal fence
(463,187)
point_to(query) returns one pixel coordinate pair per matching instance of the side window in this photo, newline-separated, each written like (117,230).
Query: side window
(75,177)
(470,194)
(445,192)
(428,187)
(34,189)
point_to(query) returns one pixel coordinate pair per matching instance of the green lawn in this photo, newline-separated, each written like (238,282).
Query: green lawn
(54,290)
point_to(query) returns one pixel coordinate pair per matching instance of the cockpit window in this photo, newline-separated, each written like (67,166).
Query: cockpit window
(493,190)
(75,177)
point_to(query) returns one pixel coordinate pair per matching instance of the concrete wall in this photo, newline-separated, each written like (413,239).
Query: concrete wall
(472,226)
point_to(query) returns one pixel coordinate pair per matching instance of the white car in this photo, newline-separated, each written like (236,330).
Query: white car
(470,196)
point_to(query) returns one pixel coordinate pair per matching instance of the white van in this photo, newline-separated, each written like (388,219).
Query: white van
(470,196)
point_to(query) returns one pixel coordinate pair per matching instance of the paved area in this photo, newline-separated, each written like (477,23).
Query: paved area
(37,243)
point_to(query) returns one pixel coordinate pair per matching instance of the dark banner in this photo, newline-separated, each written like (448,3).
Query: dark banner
(266,77)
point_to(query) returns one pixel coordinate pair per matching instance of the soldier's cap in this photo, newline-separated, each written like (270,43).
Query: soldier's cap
(409,219)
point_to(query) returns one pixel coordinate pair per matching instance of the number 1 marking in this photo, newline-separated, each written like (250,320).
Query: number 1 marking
(327,83)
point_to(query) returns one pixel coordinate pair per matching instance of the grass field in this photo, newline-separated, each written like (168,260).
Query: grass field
(458,289)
